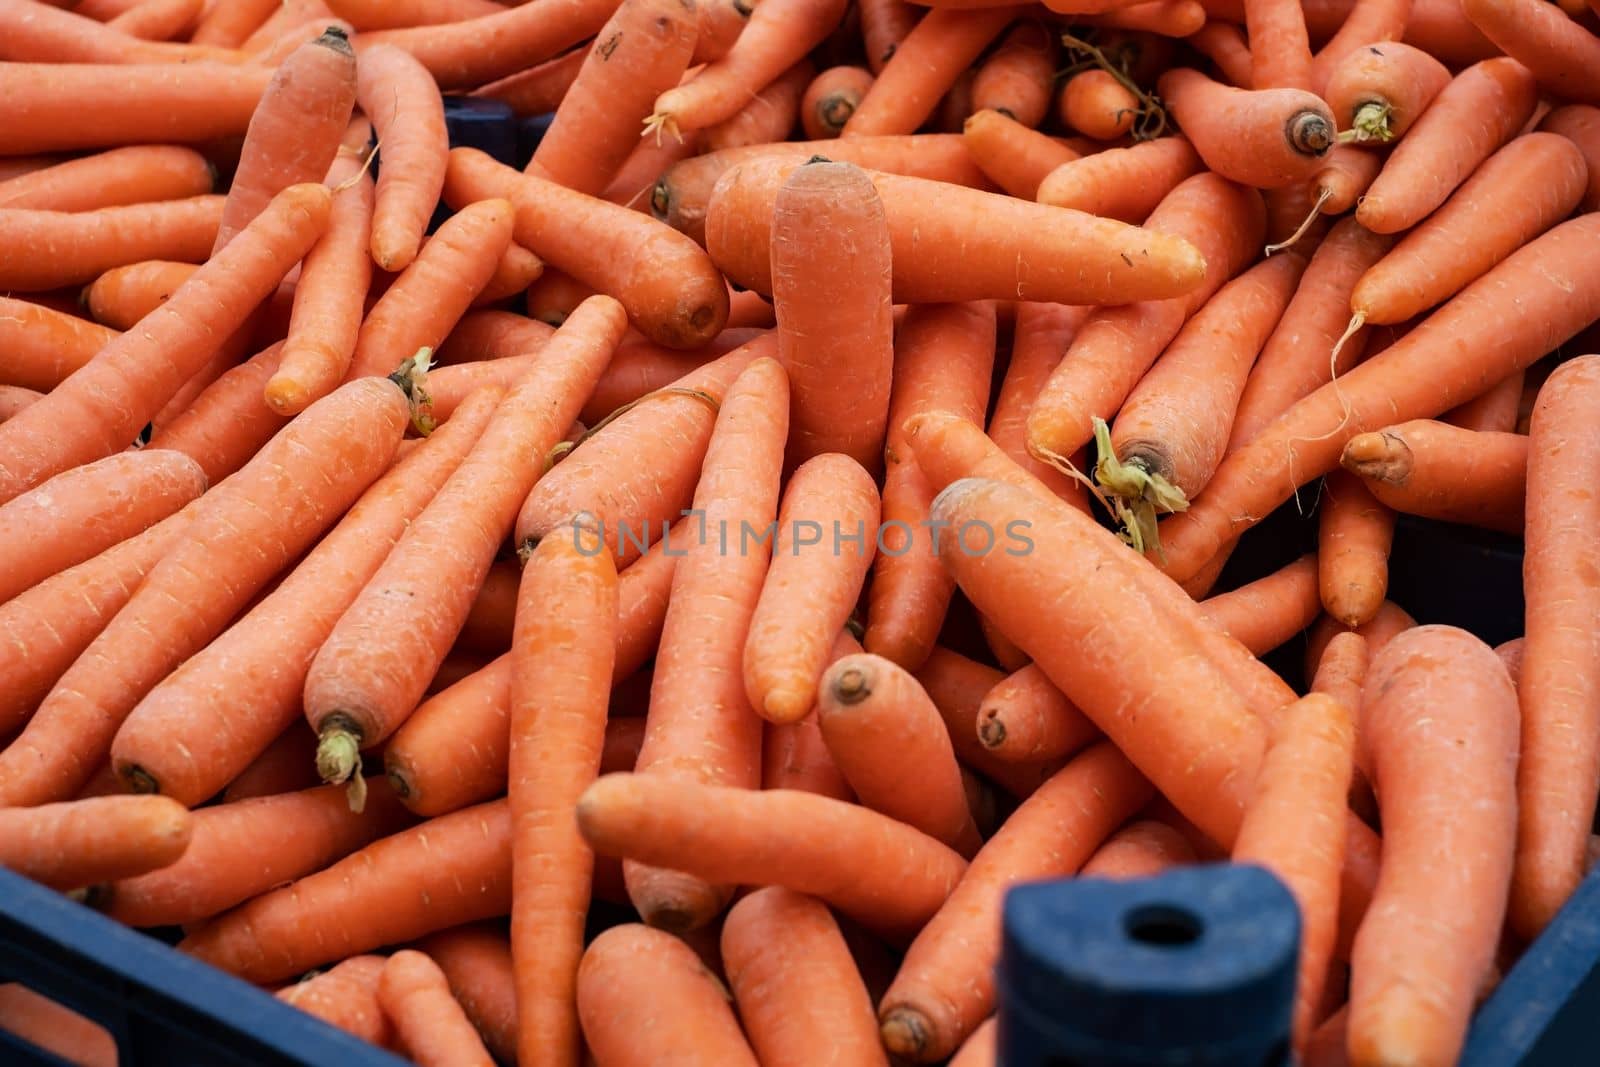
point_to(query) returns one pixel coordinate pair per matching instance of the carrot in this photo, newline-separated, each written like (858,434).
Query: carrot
(1025,718)
(1169,18)
(1378,92)
(1225,46)
(1267,612)
(346,997)
(398,14)
(669,287)
(884,25)
(1540,287)
(1391,621)
(1021,251)
(641,52)
(1353,536)
(924,66)
(486,335)
(1343,668)
(1338,186)
(1495,411)
(1280,51)
(1294,827)
(1515,195)
(229,25)
(945,987)
(637,176)
(1580,124)
(1139,850)
(1171,432)
(43,33)
(287,765)
(808,596)
(51,249)
(1116,346)
(540,89)
(767,117)
(1560,51)
(1041,334)
(980,1048)
(700,724)
(795,756)
(1296,359)
(683,192)
(375,665)
(831,98)
(44,346)
(1268,138)
(1478,112)
(779,33)
(553,298)
(38,1020)
(1121,183)
(79,843)
(474,51)
(13,398)
(801,841)
(645,997)
(1371,24)
(1016,78)
(476,960)
(407,113)
(718,24)
(415,995)
(122,296)
(111,398)
(792,977)
(82,512)
(1097,105)
(1446,790)
(1554,784)
(328,298)
(1438,471)
(275,643)
(156,20)
(109,179)
(1014,157)
(227,423)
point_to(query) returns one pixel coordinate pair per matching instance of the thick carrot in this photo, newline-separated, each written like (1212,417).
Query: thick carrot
(884,24)
(1118,345)
(1354,531)
(1121,183)
(1016,78)
(81,843)
(1544,288)
(1494,411)
(82,512)
(669,286)
(1139,850)
(1268,137)
(792,977)
(1019,251)
(1370,24)
(980,1049)
(1559,732)
(51,249)
(766,117)
(274,644)
(1515,195)
(924,66)
(1097,105)
(831,98)
(1343,669)
(41,1021)
(800,841)
(1481,109)
(227,423)
(346,997)
(946,987)
(44,346)
(120,176)
(831,293)
(1345,177)
(106,403)
(407,114)
(483,335)
(1168,18)
(701,727)
(1015,157)
(476,960)
(1377,93)
(1280,51)
(1225,46)
(540,89)
(473,51)
(1440,721)
(290,31)
(1580,124)
(1439,471)
(1560,51)
(641,52)
(156,20)
(1294,827)
(1026,718)
(375,665)
(229,24)
(812,586)
(415,994)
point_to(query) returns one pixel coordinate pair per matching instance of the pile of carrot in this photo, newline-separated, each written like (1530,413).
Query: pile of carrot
(656,614)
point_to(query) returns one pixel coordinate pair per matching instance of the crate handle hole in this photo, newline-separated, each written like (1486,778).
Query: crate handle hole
(1163,925)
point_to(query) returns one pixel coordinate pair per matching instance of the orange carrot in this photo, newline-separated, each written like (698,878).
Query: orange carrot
(481,335)
(476,960)
(554,297)
(1580,124)
(924,66)
(1353,536)
(1294,827)
(1169,18)
(346,997)
(540,89)
(1015,157)
(884,24)
(1097,105)
(980,1049)
(1559,735)
(1267,612)
(1494,411)
(767,117)
(718,24)
(831,98)
(1225,46)
(1377,93)
(44,346)
(1265,137)
(1438,471)
(1343,670)
(1041,334)
(375,665)
(1440,720)
(156,20)
(287,765)
(41,32)
(229,24)
(792,977)
(41,1021)
(81,843)
(637,177)
(1391,621)
(227,423)
(122,296)
(120,176)
(407,114)
(1026,718)
(106,403)
(1016,78)
(945,987)
(431,1023)
(641,52)
(1139,850)
(13,398)
(50,249)
(1371,24)
(1560,51)
(82,512)
(1121,183)
(1280,52)
(795,756)
(397,14)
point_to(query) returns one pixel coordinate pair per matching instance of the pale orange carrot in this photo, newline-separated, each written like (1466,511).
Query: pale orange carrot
(407,115)
(924,65)
(1025,717)
(1432,469)
(79,843)
(1353,536)
(120,176)
(43,346)
(1139,850)
(831,98)
(345,996)
(1015,157)
(227,422)
(767,117)
(1016,78)
(415,995)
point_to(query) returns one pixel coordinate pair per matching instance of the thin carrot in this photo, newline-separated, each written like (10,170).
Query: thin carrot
(1560,51)
(156,20)
(106,403)
(540,89)
(51,249)
(1015,157)
(1225,46)
(1280,52)
(946,987)
(80,843)
(1370,23)
(44,346)
(122,296)
(669,286)
(397,14)
(1139,850)
(288,765)
(1438,471)
(274,644)
(1121,183)
(767,117)
(120,176)
(1343,670)
(1494,411)
(1580,124)
(226,423)
(1354,532)
(407,115)
(346,997)
(1541,287)
(924,66)
(792,977)
(641,52)
(484,335)
(801,841)
(13,398)
(648,160)
(1267,612)
(1481,109)
(415,994)
(476,960)
(421,892)
(1268,138)
(1097,105)
(831,98)
(1440,720)
(884,25)
(1041,334)
(1377,93)
(229,24)
(795,756)
(41,1021)
(1016,78)
(1391,621)
(645,997)
(778,34)
(1026,718)
(43,33)
(375,665)
(1559,735)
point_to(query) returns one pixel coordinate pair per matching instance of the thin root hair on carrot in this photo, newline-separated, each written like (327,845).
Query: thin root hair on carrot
(659,122)
(1316,210)
(1150,119)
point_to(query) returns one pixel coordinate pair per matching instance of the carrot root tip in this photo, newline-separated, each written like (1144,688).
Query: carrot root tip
(904,1032)
(672,919)
(991,730)
(399,782)
(1370,124)
(140,780)
(1310,133)
(412,378)
(852,686)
